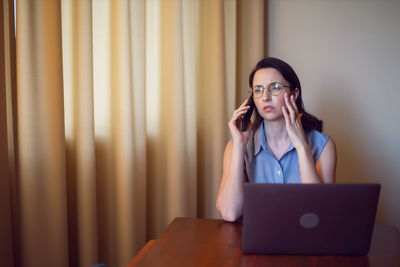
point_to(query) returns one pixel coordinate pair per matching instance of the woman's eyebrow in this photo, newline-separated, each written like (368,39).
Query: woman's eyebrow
(256,84)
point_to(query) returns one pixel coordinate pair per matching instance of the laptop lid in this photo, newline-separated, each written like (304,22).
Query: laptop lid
(308,218)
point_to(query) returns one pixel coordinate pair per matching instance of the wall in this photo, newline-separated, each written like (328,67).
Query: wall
(347,56)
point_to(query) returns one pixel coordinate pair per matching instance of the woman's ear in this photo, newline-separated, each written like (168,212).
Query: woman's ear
(296,93)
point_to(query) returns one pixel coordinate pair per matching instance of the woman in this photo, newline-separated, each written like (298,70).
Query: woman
(283,145)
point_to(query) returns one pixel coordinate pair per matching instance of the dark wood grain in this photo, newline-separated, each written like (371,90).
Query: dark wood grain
(209,242)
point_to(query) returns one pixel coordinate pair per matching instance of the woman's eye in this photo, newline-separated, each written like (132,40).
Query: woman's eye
(276,86)
(258,90)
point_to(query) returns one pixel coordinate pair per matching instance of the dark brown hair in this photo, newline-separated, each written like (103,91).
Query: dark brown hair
(309,122)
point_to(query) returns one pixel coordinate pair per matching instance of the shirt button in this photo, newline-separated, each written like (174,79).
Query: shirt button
(279,172)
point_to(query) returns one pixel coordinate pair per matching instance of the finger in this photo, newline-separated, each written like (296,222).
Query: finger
(235,121)
(241,109)
(291,105)
(234,128)
(298,121)
(244,103)
(234,125)
(292,113)
(286,115)
(244,108)
(238,114)
(294,104)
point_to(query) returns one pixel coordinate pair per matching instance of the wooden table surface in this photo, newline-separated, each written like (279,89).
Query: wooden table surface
(209,242)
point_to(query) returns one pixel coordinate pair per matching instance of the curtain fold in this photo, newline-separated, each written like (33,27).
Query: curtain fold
(211,98)
(120,121)
(251,43)
(130,221)
(8,214)
(42,195)
(171,157)
(80,142)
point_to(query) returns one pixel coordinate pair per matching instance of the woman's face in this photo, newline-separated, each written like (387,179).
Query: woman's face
(270,106)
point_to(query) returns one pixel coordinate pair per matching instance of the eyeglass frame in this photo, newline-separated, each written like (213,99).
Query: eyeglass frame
(251,91)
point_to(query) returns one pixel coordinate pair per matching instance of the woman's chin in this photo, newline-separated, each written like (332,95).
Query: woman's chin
(272,117)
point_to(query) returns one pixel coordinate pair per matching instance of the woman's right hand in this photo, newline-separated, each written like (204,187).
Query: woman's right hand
(239,137)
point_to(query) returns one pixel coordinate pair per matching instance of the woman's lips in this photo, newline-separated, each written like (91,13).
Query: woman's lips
(268,109)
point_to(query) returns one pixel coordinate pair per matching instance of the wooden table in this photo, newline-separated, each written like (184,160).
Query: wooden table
(209,242)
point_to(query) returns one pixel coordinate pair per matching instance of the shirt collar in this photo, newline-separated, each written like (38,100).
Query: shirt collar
(261,142)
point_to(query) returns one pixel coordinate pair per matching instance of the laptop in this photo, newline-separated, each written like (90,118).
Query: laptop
(330,219)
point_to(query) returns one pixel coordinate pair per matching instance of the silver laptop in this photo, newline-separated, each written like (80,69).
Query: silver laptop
(333,219)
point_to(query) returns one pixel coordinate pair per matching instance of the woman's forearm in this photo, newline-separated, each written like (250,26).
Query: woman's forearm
(230,198)
(308,170)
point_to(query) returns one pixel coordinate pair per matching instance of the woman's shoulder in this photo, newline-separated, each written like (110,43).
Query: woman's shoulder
(316,137)
(317,142)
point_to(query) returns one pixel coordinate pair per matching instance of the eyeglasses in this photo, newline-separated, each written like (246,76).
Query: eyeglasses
(274,89)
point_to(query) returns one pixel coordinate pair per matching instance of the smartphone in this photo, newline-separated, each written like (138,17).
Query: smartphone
(246,117)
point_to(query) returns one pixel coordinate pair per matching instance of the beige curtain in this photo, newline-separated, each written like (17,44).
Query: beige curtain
(117,122)
(8,210)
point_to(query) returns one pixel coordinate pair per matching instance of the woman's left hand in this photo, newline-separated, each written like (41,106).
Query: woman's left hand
(294,127)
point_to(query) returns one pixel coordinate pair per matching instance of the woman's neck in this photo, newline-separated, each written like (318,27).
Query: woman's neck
(275,133)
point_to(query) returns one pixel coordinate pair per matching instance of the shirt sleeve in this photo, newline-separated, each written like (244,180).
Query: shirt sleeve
(317,142)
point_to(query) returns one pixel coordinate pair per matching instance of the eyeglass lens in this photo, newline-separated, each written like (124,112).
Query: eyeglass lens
(274,88)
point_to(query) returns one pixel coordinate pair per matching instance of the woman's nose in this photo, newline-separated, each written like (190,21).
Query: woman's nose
(266,95)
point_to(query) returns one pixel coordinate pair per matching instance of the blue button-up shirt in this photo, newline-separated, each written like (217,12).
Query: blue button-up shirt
(262,167)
